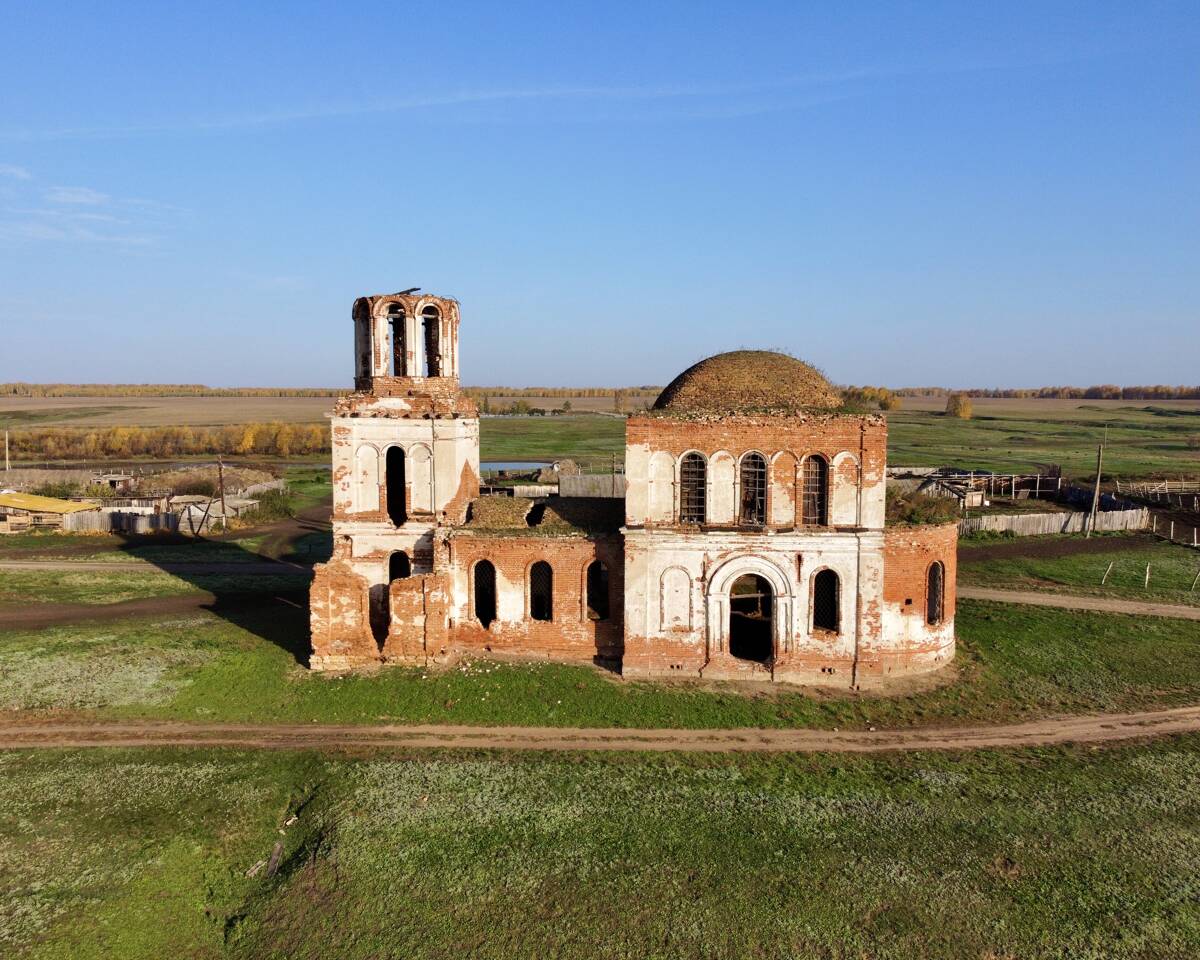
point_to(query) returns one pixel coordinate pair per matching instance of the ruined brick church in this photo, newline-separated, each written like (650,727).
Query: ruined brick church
(751,542)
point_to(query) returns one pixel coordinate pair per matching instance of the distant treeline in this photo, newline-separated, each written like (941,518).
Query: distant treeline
(1105,391)
(478,393)
(246,439)
(870,394)
(157,390)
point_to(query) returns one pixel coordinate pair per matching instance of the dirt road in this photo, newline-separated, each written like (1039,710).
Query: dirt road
(278,568)
(1103,604)
(1035,733)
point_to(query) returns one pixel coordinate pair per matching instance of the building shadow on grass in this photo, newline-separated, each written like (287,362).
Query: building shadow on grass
(267,596)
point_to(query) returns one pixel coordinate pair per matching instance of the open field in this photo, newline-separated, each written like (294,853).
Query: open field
(1037,854)
(160,411)
(1173,570)
(222,853)
(1005,435)
(242,662)
(1023,435)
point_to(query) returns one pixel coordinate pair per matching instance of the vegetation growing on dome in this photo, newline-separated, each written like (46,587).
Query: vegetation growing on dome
(748,382)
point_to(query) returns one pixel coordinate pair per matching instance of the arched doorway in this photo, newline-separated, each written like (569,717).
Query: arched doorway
(751,618)
(397,509)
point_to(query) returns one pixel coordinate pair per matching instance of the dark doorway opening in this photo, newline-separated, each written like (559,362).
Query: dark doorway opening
(485,593)
(399,566)
(597,591)
(751,619)
(541,591)
(826,607)
(397,509)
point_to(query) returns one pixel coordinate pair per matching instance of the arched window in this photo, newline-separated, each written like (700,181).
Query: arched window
(754,489)
(396,319)
(541,591)
(431,318)
(399,566)
(692,480)
(826,604)
(397,508)
(597,591)
(815,487)
(485,592)
(935,593)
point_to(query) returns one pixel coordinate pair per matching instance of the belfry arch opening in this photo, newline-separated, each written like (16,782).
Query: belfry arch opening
(751,618)
(396,319)
(431,319)
(397,508)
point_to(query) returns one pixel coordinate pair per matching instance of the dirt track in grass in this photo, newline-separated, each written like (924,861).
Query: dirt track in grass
(1050,547)
(35,616)
(19,734)
(1033,598)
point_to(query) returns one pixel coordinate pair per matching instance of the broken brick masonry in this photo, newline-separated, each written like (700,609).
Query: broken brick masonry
(751,542)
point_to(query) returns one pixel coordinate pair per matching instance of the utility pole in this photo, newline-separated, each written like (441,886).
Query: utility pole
(221,485)
(1096,489)
(6,467)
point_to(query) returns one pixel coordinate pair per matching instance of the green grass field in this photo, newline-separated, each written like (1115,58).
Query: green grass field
(243,662)
(551,438)
(1032,854)
(1173,570)
(1008,436)
(1142,439)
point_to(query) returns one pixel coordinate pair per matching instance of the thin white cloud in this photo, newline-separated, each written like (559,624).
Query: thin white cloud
(17,173)
(77,195)
(30,214)
(682,92)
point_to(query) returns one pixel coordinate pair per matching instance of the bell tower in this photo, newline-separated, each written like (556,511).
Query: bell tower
(405,442)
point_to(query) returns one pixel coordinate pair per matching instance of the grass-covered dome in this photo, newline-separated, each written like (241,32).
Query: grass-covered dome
(746,382)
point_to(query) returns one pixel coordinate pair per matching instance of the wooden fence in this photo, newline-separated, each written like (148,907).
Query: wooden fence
(608,485)
(1036,524)
(1177,531)
(1156,489)
(120,522)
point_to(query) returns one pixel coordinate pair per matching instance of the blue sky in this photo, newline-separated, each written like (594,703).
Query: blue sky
(957,194)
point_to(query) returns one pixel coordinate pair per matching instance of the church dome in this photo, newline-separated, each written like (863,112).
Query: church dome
(748,382)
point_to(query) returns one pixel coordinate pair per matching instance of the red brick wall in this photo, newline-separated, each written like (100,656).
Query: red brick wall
(769,435)
(907,553)
(571,634)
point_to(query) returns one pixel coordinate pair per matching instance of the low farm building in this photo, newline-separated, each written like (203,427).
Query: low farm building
(21,511)
(750,542)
